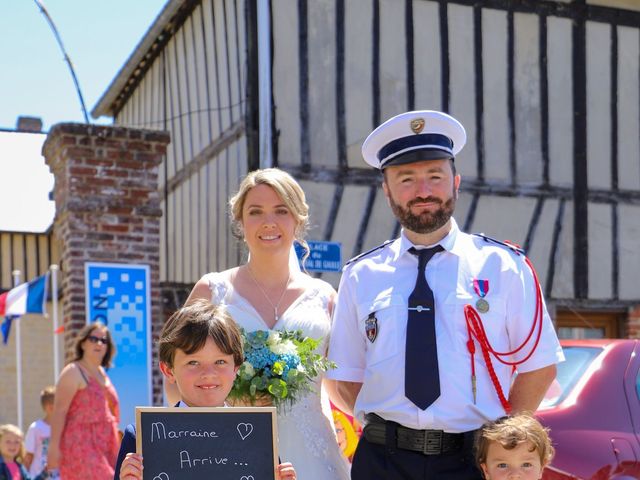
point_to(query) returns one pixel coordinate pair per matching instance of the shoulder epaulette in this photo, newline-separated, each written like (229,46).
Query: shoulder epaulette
(517,249)
(364,254)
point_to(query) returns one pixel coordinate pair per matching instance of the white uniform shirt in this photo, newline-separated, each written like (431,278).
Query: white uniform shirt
(382,281)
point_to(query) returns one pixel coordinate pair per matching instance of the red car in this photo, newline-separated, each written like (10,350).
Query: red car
(593,411)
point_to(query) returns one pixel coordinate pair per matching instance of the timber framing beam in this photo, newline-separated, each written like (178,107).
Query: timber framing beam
(501,188)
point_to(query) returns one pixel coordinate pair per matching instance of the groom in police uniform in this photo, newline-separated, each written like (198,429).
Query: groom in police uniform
(407,333)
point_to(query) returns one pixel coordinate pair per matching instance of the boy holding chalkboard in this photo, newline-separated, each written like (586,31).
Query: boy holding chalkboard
(200,351)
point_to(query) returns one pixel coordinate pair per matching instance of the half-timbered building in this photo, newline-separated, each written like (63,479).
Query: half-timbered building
(547,90)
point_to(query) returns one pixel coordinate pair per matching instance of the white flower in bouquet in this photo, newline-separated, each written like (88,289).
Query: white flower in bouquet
(273,339)
(247,368)
(284,348)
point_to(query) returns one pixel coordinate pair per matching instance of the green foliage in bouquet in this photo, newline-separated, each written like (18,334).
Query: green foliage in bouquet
(278,366)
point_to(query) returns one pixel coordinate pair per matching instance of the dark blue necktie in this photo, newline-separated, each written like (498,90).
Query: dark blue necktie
(421,375)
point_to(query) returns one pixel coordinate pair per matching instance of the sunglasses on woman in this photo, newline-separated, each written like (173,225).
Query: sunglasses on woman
(94,339)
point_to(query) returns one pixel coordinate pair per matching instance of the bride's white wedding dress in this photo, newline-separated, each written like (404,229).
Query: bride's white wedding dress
(305,430)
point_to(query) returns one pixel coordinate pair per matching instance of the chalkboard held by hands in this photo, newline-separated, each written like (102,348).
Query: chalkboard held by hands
(238,443)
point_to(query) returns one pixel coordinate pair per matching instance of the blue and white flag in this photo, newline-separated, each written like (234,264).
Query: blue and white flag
(28,297)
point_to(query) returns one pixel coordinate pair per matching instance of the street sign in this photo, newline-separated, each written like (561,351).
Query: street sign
(324,256)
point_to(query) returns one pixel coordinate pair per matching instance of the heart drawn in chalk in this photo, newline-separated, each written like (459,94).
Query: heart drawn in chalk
(244,429)
(247,477)
(161,476)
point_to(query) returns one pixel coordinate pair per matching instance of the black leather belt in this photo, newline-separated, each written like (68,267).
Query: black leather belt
(427,442)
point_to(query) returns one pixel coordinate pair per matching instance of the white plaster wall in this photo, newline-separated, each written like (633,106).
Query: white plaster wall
(495,84)
(381,223)
(347,223)
(600,250)
(527,98)
(319,198)
(628,109)
(563,277)
(559,61)
(540,247)
(462,81)
(598,105)
(358,78)
(629,221)
(393,59)
(504,218)
(352,206)
(427,61)
(322,82)
(462,208)
(286,80)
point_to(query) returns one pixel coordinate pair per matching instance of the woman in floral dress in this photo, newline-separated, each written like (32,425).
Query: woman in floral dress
(84,428)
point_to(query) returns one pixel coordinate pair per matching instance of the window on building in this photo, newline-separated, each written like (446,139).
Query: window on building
(577,325)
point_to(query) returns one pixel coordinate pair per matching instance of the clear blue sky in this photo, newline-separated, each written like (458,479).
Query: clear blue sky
(99,36)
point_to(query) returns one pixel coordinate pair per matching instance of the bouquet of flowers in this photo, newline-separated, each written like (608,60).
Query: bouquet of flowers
(279,366)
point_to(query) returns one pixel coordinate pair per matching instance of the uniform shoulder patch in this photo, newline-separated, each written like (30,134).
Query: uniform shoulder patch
(517,249)
(368,252)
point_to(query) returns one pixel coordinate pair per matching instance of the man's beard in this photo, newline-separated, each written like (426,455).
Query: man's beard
(425,222)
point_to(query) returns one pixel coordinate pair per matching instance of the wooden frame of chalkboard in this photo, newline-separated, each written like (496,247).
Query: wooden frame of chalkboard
(226,443)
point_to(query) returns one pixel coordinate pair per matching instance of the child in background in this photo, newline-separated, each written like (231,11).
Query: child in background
(200,351)
(515,446)
(37,440)
(11,454)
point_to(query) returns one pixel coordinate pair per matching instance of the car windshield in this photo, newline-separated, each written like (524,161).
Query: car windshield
(577,360)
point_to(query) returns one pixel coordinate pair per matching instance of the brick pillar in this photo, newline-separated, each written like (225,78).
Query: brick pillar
(633,329)
(107,210)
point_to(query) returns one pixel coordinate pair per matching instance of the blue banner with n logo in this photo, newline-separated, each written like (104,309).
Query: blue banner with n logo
(119,295)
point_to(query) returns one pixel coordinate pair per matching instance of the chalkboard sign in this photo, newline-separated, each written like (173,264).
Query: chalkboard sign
(222,443)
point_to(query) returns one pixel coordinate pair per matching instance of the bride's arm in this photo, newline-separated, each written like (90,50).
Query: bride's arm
(200,290)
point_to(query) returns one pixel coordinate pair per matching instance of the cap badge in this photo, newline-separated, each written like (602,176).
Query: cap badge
(417,124)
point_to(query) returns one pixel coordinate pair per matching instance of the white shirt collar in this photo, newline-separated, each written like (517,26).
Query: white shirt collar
(449,242)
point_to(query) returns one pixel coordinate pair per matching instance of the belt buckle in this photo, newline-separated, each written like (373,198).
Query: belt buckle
(432,442)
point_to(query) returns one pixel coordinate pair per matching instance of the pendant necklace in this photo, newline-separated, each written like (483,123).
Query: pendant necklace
(284,290)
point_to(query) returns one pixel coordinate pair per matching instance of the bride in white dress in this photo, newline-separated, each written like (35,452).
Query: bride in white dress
(268,292)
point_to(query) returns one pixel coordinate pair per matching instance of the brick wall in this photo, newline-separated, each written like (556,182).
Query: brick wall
(107,210)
